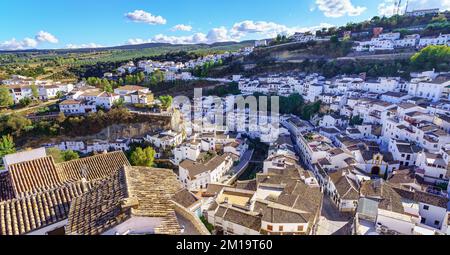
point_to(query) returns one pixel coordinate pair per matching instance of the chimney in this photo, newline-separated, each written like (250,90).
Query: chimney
(129,203)
(84,185)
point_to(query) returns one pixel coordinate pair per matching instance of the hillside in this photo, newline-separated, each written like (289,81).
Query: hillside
(328,57)
(58,64)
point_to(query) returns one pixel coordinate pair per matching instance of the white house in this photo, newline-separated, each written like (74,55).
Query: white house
(196,175)
(343,189)
(407,41)
(132,94)
(260,43)
(45,91)
(190,150)
(389,36)
(233,220)
(303,37)
(433,167)
(440,40)
(428,88)
(165,139)
(73,107)
(423,12)
(405,152)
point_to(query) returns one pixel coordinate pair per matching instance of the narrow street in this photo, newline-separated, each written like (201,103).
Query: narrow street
(332,222)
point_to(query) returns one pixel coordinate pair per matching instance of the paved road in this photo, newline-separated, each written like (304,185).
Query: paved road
(239,169)
(391,56)
(243,163)
(50,102)
(332,222)
(216,79)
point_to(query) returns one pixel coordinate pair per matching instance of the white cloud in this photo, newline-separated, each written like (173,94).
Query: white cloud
(141,16)
(13,44)
(160,38)
(43,36)
(28,43)
(388,7)
(221,34)
(270,29)
(427,4)
(339,8)
(84,46)
(218,35)
(182,27)
(134,41)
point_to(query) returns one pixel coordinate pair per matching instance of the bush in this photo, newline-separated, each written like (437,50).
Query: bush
(26,101)
(432,57)
(208,225)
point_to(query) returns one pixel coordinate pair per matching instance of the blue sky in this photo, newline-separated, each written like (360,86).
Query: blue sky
(94,23)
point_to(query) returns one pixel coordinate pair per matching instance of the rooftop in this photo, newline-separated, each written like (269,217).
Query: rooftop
(132,191)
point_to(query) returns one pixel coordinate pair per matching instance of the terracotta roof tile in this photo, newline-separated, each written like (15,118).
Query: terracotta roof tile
(132,191)
(6,190)
(185,198)
(34,176)
(38,193)
(30,213)
(92,168)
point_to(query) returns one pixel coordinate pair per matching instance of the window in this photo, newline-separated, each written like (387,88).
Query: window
(426,207)
(269,227)
(436,222)
(300,228)
(281,229)
(423,220)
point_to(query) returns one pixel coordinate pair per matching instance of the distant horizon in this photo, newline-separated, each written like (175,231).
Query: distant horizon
(129,45)
(89,25)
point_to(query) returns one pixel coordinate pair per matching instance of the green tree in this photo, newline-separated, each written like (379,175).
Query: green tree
(140,77)
(70,155)
(61,117)
(15,123)
(56,154)
(6,145)
(166,101)
(26,101)
(356,120)
(334,39)
(6,99)
(34,91)
(440,18)
(143,157)
(119,103)
(437,57)
(157,77)
(108,88)
(59,94)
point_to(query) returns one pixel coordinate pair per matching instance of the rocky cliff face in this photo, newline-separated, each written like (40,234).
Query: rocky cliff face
(136,130)
(113,132)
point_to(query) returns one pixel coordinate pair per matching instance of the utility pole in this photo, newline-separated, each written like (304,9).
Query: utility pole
(399,6)
(407,5)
